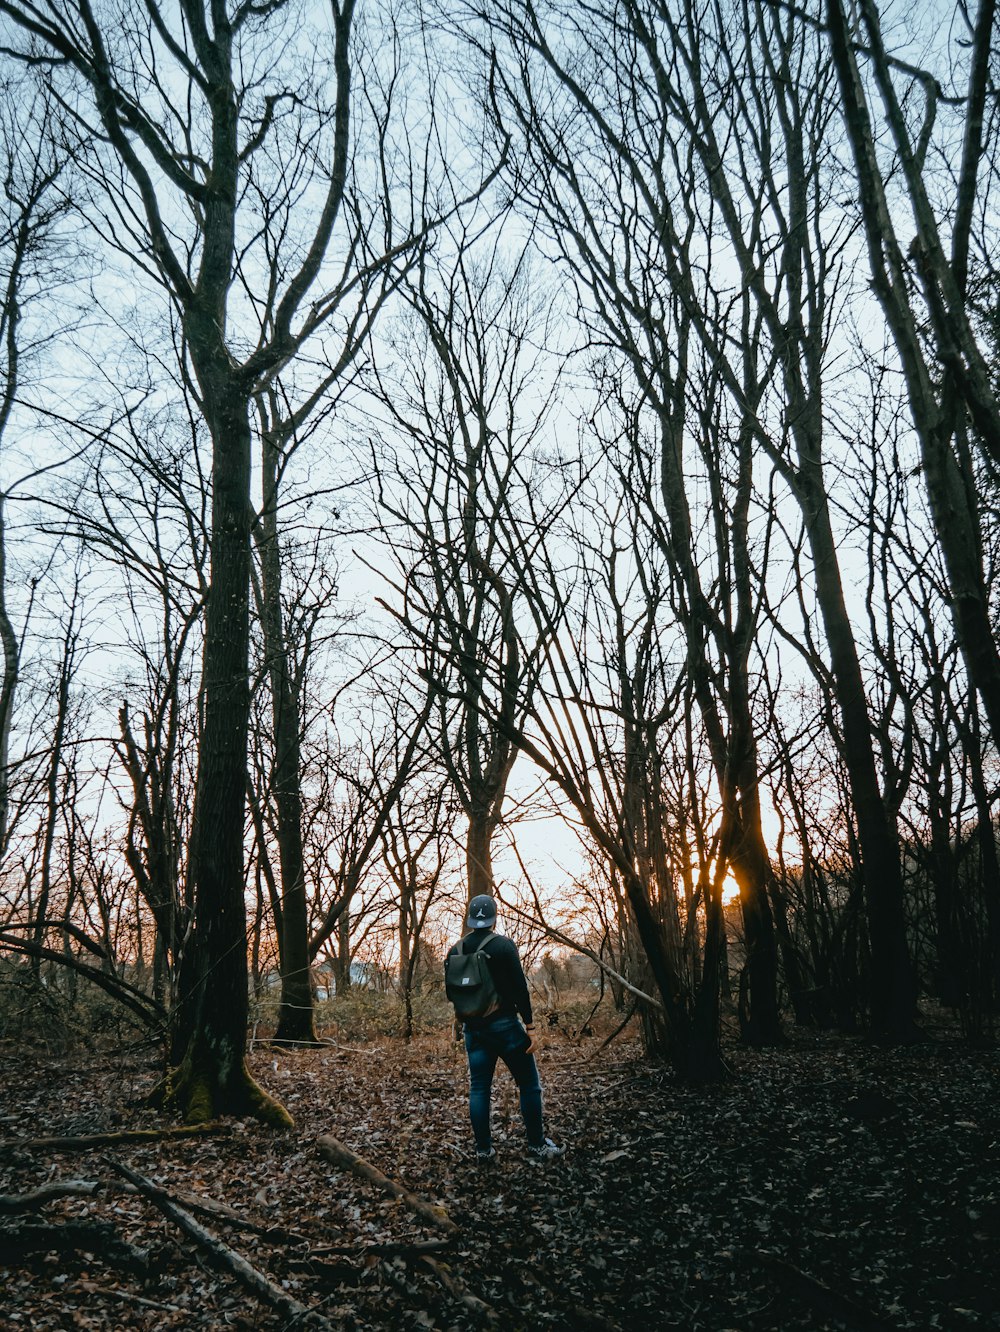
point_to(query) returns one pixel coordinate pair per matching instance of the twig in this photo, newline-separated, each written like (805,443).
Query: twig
(129,1296)
(817,1293)
(335,1151)
(586,1021)
(460,1292)
(641,996)
(228,1259)
(615,1034)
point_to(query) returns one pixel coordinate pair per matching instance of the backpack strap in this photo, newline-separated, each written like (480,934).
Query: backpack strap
(482,943)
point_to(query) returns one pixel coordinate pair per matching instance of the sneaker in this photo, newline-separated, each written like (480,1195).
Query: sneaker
(488,1155)
(548,1151)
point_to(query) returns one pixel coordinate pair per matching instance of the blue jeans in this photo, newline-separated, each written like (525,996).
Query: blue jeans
(503,1038)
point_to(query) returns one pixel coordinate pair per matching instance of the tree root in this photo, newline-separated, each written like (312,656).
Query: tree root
(200,1093)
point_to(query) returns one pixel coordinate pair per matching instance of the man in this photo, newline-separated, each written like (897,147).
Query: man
(500,1035)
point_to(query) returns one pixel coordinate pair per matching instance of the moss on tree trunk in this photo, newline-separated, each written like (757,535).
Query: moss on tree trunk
(212,1082)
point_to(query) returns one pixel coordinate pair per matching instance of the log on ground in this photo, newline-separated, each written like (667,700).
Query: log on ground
(334,1150)
(84,1142)
(11,1204)
(21,1239)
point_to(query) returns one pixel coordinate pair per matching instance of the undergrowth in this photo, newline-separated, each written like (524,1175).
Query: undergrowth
(59,1012)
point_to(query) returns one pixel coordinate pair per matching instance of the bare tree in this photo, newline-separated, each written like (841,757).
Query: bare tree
(366,780)
(416,844)
(289,626)
(212,130)
(32,208)
(950,384)
(141,510)
(707,131)
(469,401)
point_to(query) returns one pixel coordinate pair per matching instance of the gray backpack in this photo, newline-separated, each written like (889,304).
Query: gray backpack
(468,982)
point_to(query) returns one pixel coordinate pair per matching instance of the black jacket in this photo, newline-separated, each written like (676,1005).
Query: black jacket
(507,972)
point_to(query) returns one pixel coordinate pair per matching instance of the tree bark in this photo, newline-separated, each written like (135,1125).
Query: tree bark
(296,1025)
(209,1075)
(937,418)
(478,851)
(892,982)
(8,687)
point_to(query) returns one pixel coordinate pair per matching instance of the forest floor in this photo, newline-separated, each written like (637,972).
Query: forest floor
(830,1184)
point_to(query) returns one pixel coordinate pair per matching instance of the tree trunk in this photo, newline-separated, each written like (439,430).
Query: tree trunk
(706,1059)
(951,492)
(161,971)
(209,1076)
(986,834)
(478,850)
(892,983)
(407,955)
(52,786)
(296,1024)
(694,1052)
(8,688)
(802,1002)
(747,853)
(937,415)
(344,951)
(728,722)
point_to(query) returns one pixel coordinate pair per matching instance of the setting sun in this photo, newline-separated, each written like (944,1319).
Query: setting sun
(730,890)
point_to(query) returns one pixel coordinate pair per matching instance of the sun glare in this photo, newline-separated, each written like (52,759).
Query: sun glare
(730,890)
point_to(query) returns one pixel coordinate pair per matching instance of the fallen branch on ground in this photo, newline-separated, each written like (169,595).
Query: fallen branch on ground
(335,1151)
(460,1292)
(128,1296)
(220,1211)
(222,1255)
(203,1205)
(347,1257)
(383,1248)
(94,1237)
(84,1142)
(13,1203)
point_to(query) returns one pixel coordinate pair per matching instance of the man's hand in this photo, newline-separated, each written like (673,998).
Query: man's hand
(532,1045)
